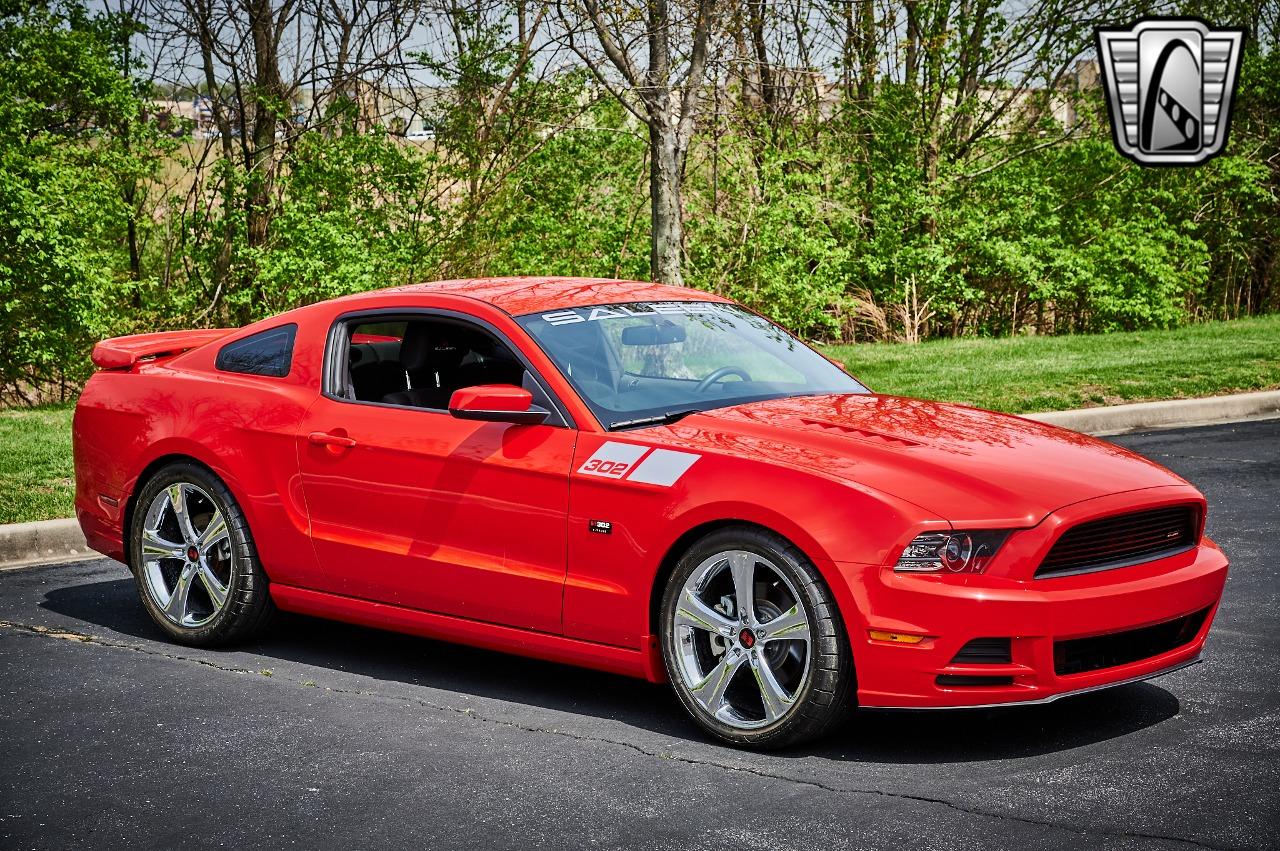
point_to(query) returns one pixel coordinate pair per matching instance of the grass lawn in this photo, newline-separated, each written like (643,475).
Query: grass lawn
(1025,374)
(36,478)
(1016,375)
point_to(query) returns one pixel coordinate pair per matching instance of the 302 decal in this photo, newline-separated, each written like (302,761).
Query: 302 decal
(598,467)
(614,460)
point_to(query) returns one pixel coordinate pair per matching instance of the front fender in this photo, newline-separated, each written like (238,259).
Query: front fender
(612,579)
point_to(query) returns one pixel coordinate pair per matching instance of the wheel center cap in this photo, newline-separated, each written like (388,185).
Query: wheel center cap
(747,639)
(193,554)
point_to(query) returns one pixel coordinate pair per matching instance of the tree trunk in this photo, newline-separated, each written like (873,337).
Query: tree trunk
(913,42)
(135,259)
(768,89)
(668,105)
(969,65)
(202,14)
(868,62)
(665,164)
(267,99)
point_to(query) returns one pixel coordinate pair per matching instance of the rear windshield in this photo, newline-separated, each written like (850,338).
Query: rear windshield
(639,360)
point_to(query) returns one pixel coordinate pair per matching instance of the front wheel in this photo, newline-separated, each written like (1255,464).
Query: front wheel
(753,642)
(194,561)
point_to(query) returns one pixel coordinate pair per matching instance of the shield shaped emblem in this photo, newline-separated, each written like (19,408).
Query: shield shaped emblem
(1169,83)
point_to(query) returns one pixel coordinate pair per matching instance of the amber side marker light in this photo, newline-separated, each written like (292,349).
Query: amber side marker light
(895,637)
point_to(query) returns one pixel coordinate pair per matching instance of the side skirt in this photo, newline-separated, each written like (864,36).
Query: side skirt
(522,642)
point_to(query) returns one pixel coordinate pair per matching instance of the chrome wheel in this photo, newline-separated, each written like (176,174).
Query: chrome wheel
(742,639)
(186,555)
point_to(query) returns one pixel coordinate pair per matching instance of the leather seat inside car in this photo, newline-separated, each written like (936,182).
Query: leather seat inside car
(437,358)
(430,356)
(375,370)
(489,362)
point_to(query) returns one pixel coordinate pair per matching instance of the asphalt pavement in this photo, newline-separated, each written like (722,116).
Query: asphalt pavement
(325,735)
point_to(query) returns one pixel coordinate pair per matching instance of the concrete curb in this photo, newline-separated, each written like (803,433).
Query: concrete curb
(46,541)
(26,544)
(1175,413)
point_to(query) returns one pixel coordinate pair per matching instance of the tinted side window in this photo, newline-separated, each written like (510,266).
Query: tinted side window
(265,353)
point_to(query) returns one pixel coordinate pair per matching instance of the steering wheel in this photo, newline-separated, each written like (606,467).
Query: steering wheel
(721,373)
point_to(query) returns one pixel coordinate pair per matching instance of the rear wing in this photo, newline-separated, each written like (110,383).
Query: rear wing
(125,352)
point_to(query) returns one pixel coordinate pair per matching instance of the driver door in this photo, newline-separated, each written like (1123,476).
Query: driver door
(413,507)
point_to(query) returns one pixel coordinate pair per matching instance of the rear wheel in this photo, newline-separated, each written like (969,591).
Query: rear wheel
(194,561)
(752,641)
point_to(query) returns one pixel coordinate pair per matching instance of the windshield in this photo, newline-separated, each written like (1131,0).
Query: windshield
(645,362)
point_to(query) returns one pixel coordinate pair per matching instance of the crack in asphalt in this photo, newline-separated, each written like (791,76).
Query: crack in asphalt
(83,638)
(1205,458)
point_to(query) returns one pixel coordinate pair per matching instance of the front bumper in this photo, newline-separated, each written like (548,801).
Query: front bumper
(1033,614)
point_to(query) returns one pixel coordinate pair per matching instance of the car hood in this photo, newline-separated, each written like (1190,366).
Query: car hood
(964,464)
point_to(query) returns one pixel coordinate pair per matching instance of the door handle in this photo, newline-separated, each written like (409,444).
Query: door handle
(324,438)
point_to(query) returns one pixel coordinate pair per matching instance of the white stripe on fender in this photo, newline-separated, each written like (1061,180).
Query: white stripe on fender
(614,460)
(663,467)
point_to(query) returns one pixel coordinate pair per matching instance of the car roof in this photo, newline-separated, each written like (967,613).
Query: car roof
(518,296)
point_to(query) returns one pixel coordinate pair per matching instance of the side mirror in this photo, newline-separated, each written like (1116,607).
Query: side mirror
(498,403)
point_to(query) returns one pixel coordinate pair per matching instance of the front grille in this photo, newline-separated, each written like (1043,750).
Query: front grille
(1078,655)
(1123,540)
(984,651)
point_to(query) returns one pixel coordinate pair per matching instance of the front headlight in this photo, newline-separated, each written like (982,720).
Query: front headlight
(951,552)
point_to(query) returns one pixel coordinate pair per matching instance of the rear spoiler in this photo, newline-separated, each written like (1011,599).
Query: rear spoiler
(124,352)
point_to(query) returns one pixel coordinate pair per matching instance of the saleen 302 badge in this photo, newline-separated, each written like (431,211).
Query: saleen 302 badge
(1169,83)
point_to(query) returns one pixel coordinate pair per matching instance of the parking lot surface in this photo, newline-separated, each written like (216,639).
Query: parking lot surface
(325,735)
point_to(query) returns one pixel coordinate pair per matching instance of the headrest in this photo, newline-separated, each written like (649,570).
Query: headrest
(430,349)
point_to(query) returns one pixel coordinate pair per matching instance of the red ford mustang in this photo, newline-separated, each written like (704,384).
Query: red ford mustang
(637,478)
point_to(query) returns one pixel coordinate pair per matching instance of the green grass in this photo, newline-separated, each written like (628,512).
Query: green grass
(36,477)
(1016,375)
(1024,374)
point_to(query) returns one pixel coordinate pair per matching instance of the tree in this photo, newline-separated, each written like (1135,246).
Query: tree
(271,69)
(853,169)
(72,133)
(663,91)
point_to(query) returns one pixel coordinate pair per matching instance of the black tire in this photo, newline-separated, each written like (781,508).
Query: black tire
(247,609)
(824,695)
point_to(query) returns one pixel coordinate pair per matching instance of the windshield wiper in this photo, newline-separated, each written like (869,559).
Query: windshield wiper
(660,419)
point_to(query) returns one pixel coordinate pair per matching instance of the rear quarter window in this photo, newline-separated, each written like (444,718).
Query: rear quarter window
(267,353)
